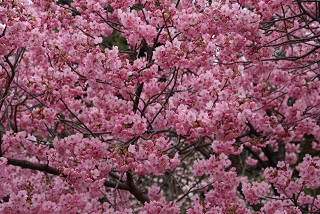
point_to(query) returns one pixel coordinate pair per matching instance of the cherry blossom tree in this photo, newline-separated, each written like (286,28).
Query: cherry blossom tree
(196,107)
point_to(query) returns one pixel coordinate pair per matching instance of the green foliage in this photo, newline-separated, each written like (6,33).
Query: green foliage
(306,147)
(55,29)
(137,7)
(109,9)
(115,39)
(67,2)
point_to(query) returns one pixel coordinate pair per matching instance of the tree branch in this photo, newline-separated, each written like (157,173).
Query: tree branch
(129,185)
(29,165)
(141,196)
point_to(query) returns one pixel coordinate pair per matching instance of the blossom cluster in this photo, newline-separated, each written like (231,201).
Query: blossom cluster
(159,106)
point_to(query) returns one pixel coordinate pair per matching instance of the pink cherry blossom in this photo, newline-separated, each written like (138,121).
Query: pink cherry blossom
(160,106)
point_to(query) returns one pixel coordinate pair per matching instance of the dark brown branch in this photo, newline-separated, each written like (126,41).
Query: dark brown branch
(129,185)
(115,184)
(281,150)
(13,72)
(138,94)
(255,155)
(141,196)
(268,152)
(195,184)
(305,11)
(84,125)
(4,31)
(293,58)
(29,165)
